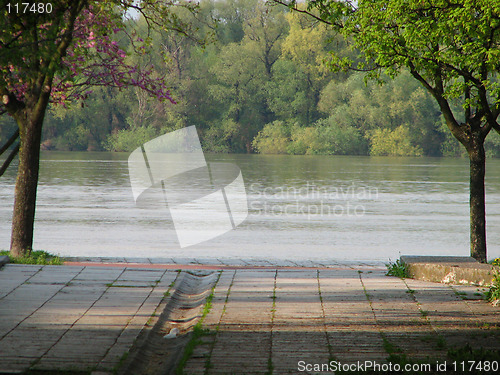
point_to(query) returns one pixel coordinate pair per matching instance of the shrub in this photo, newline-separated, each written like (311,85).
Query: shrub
(74,139)
(272,139)
(304,140)
(339,140)
(129,139)
(397,142)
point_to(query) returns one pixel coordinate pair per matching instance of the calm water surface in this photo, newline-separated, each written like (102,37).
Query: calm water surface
(301,207)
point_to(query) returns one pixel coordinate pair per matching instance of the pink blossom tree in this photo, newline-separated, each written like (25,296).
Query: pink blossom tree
(56,53)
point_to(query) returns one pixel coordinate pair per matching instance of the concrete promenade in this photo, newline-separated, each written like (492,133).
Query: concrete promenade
(264,318)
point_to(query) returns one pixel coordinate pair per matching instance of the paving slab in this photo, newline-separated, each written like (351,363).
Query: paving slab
(74,318)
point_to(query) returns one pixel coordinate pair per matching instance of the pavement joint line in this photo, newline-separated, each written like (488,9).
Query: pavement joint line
(73,324)
(133,316)
(330,347)
(43,304)
(419,307)
(379,327)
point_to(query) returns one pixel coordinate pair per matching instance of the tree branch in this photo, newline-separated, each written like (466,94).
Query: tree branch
(9,159)
(293,6)
(11,140)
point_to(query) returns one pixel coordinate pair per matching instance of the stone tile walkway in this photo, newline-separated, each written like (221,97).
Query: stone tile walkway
(74,318)
(84,318)
(267,322)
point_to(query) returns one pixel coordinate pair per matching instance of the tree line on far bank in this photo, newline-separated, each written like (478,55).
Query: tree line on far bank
(263,84)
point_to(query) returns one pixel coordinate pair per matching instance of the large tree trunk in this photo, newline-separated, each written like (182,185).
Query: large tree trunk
(477,200)
(26,186)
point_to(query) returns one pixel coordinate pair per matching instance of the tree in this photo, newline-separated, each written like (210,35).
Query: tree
(265,33)
(53,52)
(239,81)
(371,107)
(452,47)
(305,45)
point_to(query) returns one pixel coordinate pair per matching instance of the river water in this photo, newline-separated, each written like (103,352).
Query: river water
(300,207)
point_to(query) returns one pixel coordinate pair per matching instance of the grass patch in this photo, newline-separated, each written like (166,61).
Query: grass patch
(196,339)
(389,347)
(39,257)
(397,269)
(123,358)
(467,355)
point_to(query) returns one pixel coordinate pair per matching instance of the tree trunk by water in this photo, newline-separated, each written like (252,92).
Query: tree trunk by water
(23,217)
(477,200)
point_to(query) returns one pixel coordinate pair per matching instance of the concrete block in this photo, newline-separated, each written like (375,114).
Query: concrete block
(449,270)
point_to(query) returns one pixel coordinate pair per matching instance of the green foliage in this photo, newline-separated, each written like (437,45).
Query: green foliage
(451,49)
(74,139)
(334,139)
(35,257)
(269,66)
(397,269)
(304,140)
(326,138)
(369,106)
(386,142)
(223,138)
(492,145)
(129,139)
(273,139)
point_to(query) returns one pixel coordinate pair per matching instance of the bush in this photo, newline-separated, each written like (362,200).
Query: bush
(223,137)
(327,138)
(129,139)
(74,139)
(272,139)
(304,140)
(339,140)
(397,142)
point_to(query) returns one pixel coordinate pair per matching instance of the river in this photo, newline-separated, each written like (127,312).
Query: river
(300,207)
